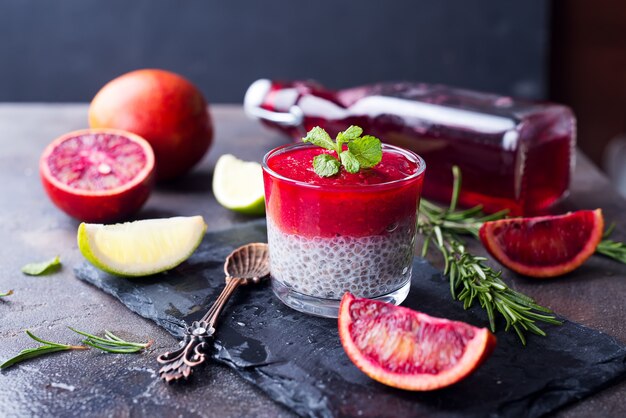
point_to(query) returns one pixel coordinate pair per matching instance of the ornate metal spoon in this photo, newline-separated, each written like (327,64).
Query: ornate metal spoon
(246,264)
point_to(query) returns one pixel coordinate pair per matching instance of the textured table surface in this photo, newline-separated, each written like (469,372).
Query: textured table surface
(96,384)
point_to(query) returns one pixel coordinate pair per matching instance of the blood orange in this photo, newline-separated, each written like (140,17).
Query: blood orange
(407,349)
(544,246)
(98,175)
(164,108)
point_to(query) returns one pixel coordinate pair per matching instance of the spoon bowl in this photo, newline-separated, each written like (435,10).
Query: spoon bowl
(249,262)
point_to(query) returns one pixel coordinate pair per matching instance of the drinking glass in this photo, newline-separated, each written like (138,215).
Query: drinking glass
(340,237)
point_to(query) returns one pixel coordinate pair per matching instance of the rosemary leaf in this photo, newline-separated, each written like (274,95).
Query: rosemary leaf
(7,293)
(111,343)
(47,347)
(111,349)
(613,249)
(40,340)
(520,334)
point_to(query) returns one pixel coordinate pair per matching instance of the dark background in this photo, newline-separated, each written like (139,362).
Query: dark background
(572,51)
(66,50)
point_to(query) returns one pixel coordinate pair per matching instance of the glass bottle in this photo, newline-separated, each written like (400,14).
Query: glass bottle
(513,154)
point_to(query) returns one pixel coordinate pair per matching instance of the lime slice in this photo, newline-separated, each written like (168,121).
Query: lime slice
(238,185)
(141,248)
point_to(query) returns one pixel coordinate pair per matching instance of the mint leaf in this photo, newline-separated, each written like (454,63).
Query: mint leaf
(367,150)
(362,152)
(350,134)
(349,162)
(326,165)
(36,269)
(320,137)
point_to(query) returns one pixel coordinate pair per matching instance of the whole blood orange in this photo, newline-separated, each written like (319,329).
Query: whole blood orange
(162,107)
(98,175)
(544,246)
(407,349)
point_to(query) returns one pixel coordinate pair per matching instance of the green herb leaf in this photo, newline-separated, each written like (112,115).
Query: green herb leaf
(613,249)
(47,347)
(367,150)
(350,134)
(112,343)
(318,136)
(7,293)
(349,162)
(362,152)
(37,269)
(326,165)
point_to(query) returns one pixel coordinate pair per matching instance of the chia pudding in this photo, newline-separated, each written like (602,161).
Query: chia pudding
(326,268)
(349,232)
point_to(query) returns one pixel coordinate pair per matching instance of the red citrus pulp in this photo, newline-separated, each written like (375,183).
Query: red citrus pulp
(407,349)
(162,107)
(98,175)
(544,246)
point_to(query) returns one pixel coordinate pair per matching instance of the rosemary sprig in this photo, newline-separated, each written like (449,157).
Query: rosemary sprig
(47,347)
(112,343)
(7,293)
(470,278)
(613,249)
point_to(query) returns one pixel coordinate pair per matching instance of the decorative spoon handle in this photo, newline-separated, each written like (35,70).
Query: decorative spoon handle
(246,264)
(179,364)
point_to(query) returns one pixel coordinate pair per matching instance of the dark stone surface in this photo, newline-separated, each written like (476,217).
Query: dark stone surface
(298,359)
(93,384)
(96,384)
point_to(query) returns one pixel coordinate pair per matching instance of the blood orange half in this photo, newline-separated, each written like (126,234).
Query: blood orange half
(98,175)
(407,349)
(544,246)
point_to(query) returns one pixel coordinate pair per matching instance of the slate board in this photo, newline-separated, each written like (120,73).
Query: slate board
(298,359)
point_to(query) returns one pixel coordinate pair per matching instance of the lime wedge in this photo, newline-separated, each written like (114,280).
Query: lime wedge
(238,185)
(141,248)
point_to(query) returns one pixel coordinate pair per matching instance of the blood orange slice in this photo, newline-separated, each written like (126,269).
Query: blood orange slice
(407,349)
(544,246)
(98,175)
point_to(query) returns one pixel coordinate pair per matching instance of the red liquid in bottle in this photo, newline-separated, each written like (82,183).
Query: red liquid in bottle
(513,154)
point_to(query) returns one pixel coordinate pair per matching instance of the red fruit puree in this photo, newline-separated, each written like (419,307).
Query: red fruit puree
(366,203)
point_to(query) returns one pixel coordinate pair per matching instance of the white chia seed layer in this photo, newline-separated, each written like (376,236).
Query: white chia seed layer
(326,268)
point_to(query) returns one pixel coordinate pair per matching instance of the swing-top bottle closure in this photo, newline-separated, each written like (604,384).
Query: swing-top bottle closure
(256,96)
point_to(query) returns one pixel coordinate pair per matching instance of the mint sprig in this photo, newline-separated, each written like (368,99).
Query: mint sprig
(363,151)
